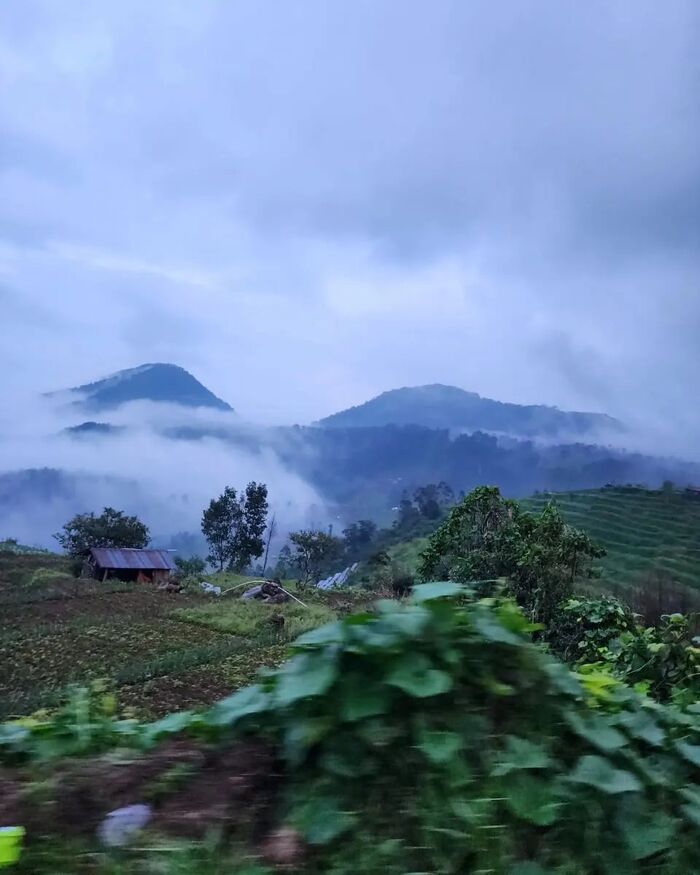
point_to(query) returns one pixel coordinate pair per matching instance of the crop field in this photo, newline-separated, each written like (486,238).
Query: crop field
(652,537)
(159,651)
(646,533)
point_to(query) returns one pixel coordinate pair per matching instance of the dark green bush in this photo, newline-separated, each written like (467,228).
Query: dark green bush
(434,736)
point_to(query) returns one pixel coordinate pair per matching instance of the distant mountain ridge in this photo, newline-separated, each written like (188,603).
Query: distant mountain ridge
(439,406)
(150,382)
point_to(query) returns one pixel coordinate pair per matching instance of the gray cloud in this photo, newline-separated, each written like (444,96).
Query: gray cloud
(311,203)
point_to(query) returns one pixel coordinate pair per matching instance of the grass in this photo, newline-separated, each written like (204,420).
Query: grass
(253,619)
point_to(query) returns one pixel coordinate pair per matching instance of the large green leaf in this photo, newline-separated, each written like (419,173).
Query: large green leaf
(321,819)
(439,746)
(597,772)
(360,698)
(596,730)
(408,620)
(302,677)
(169,725)
(493,630)
(690,752)
(645,831)
(520,753)
(532,799)
(415,675)
(440,589)
(331,633)
(639,724)
(250,700)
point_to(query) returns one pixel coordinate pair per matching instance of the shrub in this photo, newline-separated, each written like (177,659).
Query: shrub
(487,537)
(436,730)
(583,628)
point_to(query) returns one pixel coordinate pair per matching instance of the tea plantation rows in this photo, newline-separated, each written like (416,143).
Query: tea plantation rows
(643,531)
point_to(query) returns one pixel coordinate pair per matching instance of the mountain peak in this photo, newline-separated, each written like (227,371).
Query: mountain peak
(449,407)
(155,381)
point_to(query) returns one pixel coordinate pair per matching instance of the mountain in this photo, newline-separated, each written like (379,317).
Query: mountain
(438,406)
(150,382)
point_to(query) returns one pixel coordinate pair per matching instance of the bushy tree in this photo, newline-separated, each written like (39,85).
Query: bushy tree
(112,528)
(358,537)
(313,551)
(487,536)
(190,567)
(233,526)
(433,498)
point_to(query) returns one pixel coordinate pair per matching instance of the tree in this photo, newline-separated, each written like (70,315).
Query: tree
(487,536)
(359,535)
(433,498)
(190,567)
(313,551)
(112,528)
(285,563)
(408,514)
(250,543)
(233,526)
(270,535)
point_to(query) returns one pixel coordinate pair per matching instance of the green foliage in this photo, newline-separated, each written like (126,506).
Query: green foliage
(666,659)
(433,498)
(583,628)
(112,528)
(12,545)
(233,526)
(663,660)
(358,537)
(191,567)
(434,736)
(650,538)
(313,551)
(252,619)
(486,537)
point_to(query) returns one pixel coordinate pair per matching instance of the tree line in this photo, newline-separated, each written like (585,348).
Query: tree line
(238,531)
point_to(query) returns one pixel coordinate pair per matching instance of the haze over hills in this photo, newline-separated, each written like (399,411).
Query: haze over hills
(438,406)
(148,382)
(357,463)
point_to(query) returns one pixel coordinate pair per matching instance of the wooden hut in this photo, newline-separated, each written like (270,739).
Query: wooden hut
(142,566)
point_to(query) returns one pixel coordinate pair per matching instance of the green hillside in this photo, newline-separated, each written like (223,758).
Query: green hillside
(648,534)
(644,531)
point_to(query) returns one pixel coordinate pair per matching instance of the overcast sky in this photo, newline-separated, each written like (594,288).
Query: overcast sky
(305,203)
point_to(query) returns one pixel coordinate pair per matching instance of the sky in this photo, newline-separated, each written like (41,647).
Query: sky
(306,203)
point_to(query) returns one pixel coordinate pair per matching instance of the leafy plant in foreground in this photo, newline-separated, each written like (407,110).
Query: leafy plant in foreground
(440,726)
(435,733)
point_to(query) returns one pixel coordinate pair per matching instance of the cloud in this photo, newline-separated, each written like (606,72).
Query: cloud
(308,207)
(166,482)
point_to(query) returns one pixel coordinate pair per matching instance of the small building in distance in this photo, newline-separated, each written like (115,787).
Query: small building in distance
(127,563)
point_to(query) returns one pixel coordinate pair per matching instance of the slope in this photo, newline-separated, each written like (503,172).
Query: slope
(149,382)
(438,406)
(652,537)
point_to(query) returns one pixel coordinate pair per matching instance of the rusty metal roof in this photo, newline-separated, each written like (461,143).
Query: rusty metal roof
(138,560)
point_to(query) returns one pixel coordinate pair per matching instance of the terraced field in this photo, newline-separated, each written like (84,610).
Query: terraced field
(652,537)
(647,533)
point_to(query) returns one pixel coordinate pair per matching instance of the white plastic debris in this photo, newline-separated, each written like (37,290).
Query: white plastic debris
(338,579)
(209,588)
(119,827)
